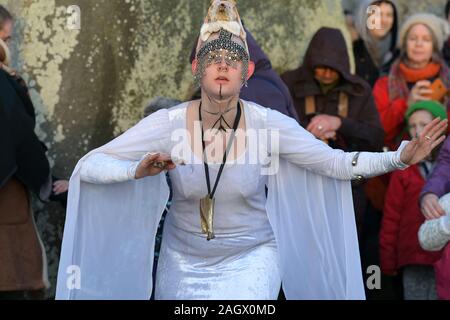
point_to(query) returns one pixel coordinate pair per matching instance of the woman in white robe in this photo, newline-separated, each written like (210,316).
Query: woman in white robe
(302,235)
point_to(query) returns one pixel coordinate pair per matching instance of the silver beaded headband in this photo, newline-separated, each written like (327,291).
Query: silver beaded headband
(224,42)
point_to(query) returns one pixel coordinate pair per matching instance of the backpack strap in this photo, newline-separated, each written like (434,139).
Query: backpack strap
(310,105)
(343,105)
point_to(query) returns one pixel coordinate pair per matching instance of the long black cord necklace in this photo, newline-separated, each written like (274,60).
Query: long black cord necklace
(207,203)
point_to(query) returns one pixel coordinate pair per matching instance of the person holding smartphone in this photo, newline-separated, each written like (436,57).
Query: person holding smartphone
(412,76)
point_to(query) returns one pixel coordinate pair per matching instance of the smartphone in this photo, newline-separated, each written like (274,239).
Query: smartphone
(439,90)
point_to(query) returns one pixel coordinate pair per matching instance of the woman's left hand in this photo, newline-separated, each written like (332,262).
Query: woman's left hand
(421,146)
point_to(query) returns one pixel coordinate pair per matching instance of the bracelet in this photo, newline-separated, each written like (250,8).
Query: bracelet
(355,163)
(355,159)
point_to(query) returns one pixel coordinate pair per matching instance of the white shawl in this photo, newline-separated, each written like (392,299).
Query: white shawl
(110,229)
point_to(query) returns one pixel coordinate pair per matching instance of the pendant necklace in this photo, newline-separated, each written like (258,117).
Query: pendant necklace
(207,203)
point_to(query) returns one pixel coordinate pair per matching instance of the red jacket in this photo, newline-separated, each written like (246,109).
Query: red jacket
(399,242)
(392,113)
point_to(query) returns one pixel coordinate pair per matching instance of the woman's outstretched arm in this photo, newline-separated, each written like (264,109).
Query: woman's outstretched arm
(101,168)
(300,147)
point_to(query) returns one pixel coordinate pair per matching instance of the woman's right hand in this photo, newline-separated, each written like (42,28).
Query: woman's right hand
(153,164)
(421,91)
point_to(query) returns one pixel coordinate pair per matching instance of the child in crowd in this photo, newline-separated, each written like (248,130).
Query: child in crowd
(399,244)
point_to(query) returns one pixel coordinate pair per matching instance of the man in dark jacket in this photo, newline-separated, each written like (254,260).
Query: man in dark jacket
(334,105)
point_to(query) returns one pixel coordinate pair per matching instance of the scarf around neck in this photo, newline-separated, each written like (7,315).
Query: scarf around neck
(413,75)
(397,83)
(379,49)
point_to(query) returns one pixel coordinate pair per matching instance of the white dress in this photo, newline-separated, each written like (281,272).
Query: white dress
(241,262)
(304,233)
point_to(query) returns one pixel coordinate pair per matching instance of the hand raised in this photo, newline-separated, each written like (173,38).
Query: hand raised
(420,147)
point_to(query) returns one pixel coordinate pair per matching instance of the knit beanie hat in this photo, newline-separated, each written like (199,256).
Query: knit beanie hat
(434,107)
(439,27)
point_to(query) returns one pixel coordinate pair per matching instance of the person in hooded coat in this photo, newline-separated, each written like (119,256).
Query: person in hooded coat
(375,50)
(323,88)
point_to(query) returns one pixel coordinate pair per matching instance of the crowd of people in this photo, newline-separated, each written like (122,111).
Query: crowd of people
(406,65)
(401,84)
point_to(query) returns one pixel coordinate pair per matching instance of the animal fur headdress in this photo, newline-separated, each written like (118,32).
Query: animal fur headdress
(223,14)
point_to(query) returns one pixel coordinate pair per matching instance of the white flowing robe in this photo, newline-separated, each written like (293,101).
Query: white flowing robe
(109,235)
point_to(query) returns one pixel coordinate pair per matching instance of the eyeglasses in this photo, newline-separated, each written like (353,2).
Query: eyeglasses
(232,59)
